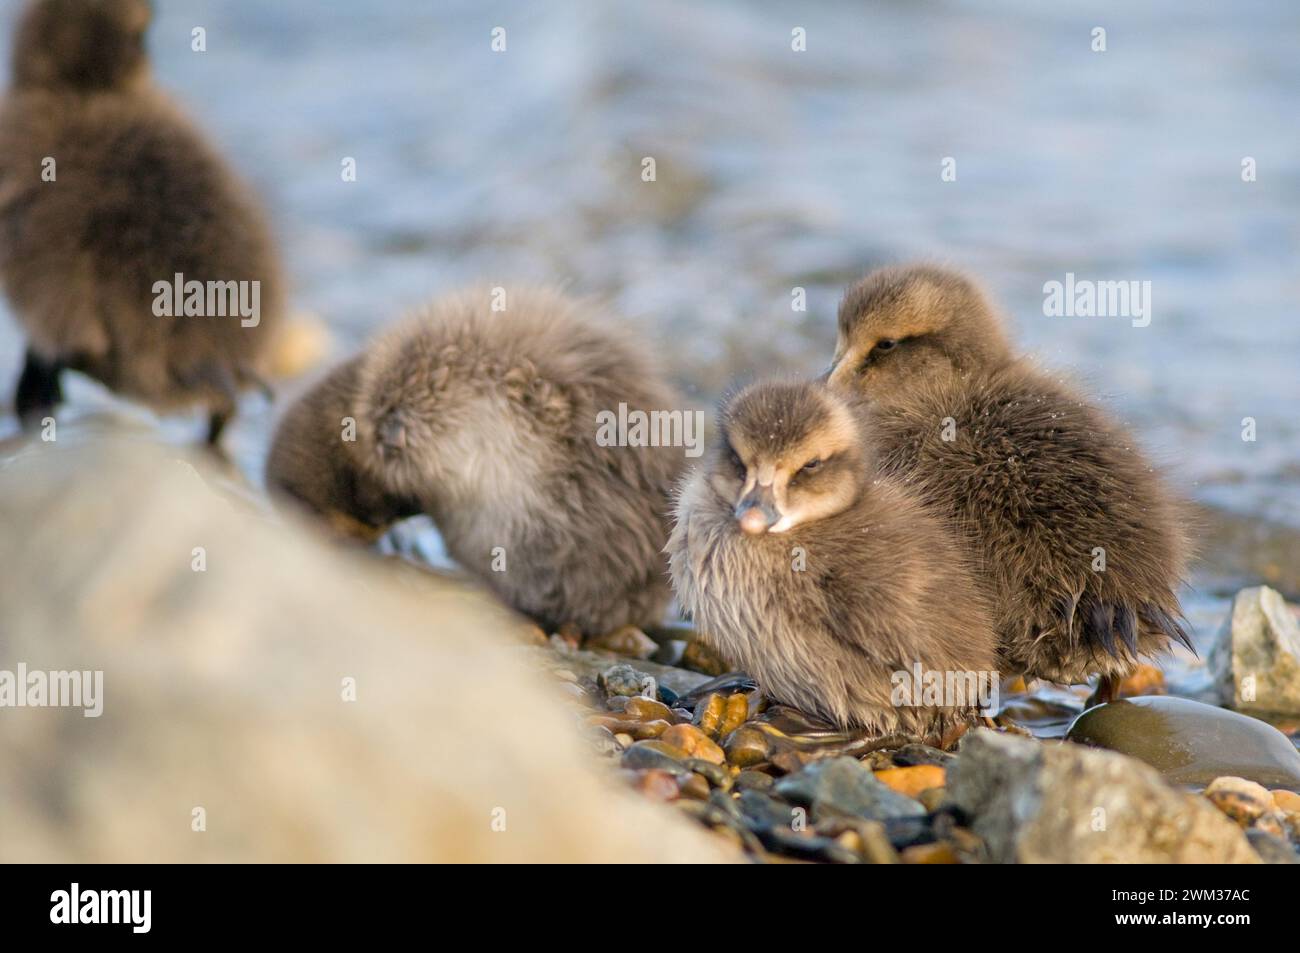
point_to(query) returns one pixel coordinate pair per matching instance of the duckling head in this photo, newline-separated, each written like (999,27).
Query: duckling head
(82,45)
(788,454)
(902,326)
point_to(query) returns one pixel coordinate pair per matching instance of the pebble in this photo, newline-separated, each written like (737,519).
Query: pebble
(625,680)
(938,853)
(870,840)
(1244,801)
(913,780)
(737,710)
(717,775)
(750,780)
(708,714)
(700,658)
(1191,743)
(934,799)
(628,640)
(647,709)
(1271,848)
(656,784)
(695,787)
(1286,800)
(1145,680)
(842,786)
(654,754)
(624,740)
(695,743)
(747,747)
(639,730)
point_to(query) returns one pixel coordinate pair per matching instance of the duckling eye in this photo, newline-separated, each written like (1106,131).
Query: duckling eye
(812,466)
(737,464)
(888,344)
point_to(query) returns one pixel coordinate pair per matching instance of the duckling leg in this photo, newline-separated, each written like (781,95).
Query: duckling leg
(39,390)
(217,421)
(1107,691)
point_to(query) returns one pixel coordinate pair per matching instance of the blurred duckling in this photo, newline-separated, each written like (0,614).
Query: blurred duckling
(489,420)
(108,194)
(312,466)
(817,578)
(1075,536)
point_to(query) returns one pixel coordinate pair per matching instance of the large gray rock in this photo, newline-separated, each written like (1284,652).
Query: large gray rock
(1037,802)
(1189,742)
(1256,660)
(223,691)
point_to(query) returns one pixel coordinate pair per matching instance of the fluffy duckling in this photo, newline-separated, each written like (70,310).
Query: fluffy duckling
(1074,534)
(817,578)
(311,464)
(489,420)
(108,193)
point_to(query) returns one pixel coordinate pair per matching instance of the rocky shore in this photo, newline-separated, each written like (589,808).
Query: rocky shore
(1182,781)
(312,705)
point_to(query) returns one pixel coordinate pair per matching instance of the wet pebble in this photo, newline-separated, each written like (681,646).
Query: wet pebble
(750,780)
(844,786)
(937,853)
(717,775)
(647,709)
(746,747)
(654,754)
(628,640)
(912,780)
(1189,742)
(914,754)
(695,743)
(654,783)
(639,730)
(694,786)
(699,658)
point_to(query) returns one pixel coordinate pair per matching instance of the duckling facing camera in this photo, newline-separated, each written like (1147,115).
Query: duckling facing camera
(488,422)
(128,249)
(1077,541)
(820,579)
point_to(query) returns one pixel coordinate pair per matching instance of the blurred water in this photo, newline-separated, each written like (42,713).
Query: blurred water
(778,169)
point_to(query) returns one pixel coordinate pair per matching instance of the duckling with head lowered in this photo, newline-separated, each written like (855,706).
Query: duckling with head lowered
(107,192)
(816,577)
(488,421)
(1075,537)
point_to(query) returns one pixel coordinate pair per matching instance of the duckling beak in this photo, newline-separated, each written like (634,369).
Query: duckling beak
(756,512)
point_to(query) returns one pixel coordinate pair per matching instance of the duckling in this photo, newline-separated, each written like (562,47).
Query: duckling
(490,421)
(818,578)
(311,463)
(109,200)
(1076,538)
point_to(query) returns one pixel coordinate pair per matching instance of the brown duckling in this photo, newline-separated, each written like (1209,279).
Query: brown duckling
(1074,535)
(821,580)
(111,201)
(489,420)
(312,465)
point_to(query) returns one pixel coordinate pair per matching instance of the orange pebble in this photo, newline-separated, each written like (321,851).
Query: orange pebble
(912,781)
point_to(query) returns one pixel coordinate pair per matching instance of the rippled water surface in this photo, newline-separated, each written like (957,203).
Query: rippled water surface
(779,169)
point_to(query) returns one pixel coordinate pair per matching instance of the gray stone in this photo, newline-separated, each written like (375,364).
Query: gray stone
(1191,743)
(1037,802)
(842,786)
(224,690)
(1271,848)
(1255,663)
